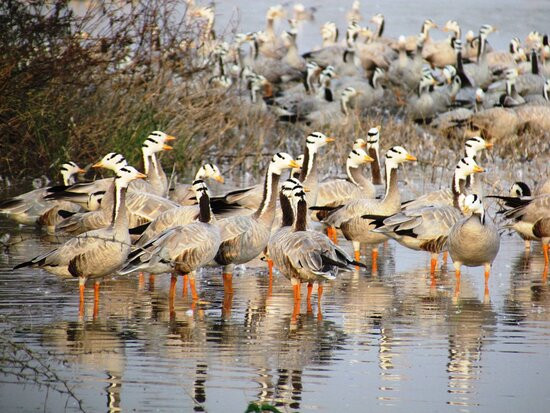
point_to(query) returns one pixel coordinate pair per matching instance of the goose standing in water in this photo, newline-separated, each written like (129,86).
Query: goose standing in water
(308,256)
(426,228)
(181,249)
(336,192)
(349,217)
(97,253)
(541,229)
(473,241)
(245,237)
(29,207)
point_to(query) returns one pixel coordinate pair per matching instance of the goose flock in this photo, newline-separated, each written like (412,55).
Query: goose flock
(136,222)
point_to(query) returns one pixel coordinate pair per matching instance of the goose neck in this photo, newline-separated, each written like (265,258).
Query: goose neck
(301,216)
(266,210)
(120,216)
(309,170)
(458,187)
(375,165)
(288,212)
(392,190)
(205,213)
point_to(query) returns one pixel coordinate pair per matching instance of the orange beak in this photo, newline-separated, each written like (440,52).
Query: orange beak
(141,176)
(330,140)
(98,165)
(478,169)
(489,145)
(170,138)
(410,157)
(219,178)
(81,171)
(167,147)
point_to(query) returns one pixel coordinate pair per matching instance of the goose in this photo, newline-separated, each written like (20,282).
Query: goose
(373,150)
(499,61)
(354,15)
(245,237)
(28,208)
(97,253)
(348,217)
(479,72)
(270,45)
(424,106)
(472,240)
(405,72)
(369,91)
(309,256)
(179,216)
(472,148)
(336,192)
(329,34)
(292,57)
(441,54)
(523,212)
(182,248)
(411,41)
(333,113)
(426,228)
(541,229)
(183,193)
(275,246)
(142,206)
(540,99)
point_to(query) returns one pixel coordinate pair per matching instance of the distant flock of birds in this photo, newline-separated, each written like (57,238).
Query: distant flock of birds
(454,84)
(136,223)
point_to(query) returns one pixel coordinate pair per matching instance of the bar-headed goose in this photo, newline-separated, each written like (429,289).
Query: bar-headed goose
(426,228)
(97,253)
(348,217)
(309,256)
(245,237)
(154,143)
(29,207)
(181,248)
(473,241)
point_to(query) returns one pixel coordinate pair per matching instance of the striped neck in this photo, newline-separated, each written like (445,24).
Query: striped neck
(301,216)
(288,212)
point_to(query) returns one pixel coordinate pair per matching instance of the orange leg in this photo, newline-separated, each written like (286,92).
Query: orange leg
(295,311)
(270,268)
(151,282)
(319,295)
(141,280)
(308,301)
(227,305)
(296,292)
(96,299)
(433,264)
(334,234)
(173,282)
(193,289)
(228,283)
(185,282)
(545,252)
(445,255)
(457,285)
(487,274)
(375,260)
(81,288)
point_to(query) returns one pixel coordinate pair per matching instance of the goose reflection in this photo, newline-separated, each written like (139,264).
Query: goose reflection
(95,346)
(471,324)
(528,298)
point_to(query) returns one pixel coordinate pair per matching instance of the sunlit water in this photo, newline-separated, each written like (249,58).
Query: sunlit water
(387,340)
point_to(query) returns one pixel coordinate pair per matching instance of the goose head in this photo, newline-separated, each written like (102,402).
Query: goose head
(473,205)
(209,171)
(378,75)
(359,143)
(289,38)
(200,188)
(94,200)
(396,156)
(358,157)
(317,140)
(452,26)
(354,15)
(520,189)
(466,167)
(480,95)
(68,170)
(127,174)
(329,33)
(275,12)
(156,142)
(449,72)
(373,138)
(288,187)
(475,145)
(427,26)
(281,161)
(327,75)
(112,161)
(297,171)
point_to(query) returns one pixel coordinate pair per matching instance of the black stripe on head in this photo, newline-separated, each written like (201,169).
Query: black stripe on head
(73,164)
(111,156)
(372,133)
(355,152)
(63,168)
(198,182)
(278,154)
(121,160)
(475,197)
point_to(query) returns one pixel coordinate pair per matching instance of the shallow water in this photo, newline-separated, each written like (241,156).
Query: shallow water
(386,340)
